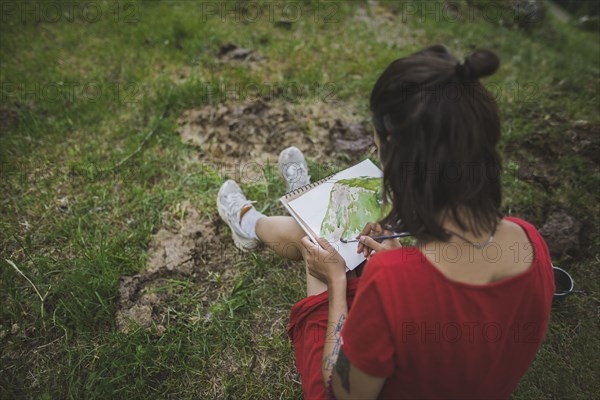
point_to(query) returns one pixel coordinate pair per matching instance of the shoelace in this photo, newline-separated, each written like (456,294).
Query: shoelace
(294,172)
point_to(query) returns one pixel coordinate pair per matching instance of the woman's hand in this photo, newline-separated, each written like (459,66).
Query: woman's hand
(368,246)
(323,261)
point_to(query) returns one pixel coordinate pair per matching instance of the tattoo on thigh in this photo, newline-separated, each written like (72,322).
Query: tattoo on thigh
(342,367)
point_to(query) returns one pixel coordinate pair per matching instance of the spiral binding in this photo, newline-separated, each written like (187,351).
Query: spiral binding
(309,186)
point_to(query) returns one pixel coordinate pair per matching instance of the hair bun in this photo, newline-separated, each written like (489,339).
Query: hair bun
(480,64)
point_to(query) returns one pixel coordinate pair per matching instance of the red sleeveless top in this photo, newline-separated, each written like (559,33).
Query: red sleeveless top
(433,337)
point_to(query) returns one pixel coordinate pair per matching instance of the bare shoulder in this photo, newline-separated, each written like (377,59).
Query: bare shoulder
(515,250)
(513,229)
(510,235)
(508,254)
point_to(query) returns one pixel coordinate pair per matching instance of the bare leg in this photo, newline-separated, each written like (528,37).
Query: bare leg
(282,235)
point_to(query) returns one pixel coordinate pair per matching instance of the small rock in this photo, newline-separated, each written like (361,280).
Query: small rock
(232,52)
(63,203)
(226,48)
(15,329)
(587,23)
(284,24)
(561,233)
(528,13)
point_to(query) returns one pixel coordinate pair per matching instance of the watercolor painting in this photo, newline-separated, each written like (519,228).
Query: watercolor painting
(352,203)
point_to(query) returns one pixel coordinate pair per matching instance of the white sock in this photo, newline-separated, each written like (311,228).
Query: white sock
(248,223)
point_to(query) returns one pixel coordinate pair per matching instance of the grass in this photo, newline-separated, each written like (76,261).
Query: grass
(73,223)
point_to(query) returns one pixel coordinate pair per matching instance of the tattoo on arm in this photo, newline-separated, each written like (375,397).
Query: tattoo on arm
(340,324)
(336,358)
(332,356)
(342,367)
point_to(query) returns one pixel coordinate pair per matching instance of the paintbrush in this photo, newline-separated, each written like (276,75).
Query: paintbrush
(379,238)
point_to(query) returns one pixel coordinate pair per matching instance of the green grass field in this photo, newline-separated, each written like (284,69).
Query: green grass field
(93,168)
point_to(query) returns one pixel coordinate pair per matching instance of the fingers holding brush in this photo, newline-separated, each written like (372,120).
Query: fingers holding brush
(373,238)
(370,229)
(369,245)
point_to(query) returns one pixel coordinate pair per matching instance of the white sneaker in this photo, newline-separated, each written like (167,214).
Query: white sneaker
(230,202)
(293,168)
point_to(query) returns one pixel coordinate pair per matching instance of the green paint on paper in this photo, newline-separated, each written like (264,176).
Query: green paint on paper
(352,203)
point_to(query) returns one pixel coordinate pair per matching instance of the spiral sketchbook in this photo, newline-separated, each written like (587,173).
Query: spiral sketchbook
(339,206)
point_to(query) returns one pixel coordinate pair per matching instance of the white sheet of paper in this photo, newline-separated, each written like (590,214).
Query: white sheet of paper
(313,206)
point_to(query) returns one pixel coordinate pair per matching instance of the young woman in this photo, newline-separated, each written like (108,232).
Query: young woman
(461,314)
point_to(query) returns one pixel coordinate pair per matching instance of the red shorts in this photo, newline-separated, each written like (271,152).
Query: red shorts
(307,329)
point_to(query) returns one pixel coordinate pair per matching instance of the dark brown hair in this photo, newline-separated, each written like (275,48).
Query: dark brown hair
(438,129)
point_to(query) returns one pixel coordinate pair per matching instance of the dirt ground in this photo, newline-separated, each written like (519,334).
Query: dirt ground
(257,130)
(565,230)
(188,252)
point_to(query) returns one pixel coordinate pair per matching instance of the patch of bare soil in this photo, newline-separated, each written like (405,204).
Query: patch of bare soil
(185,253)
(580,138)
(586,140)
(561,233)
(230,53)
(256,131)
(565,233)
